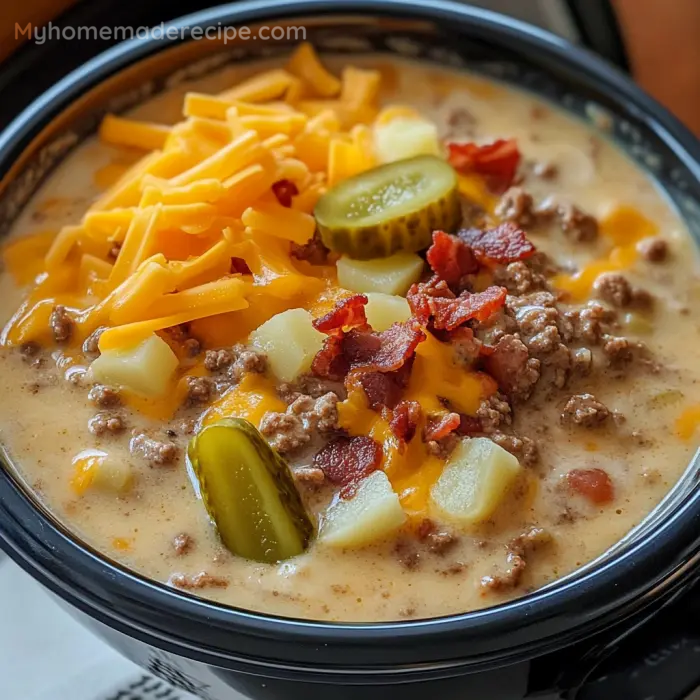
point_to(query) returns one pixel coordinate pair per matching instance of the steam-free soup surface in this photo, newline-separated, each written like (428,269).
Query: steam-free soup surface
(636,426)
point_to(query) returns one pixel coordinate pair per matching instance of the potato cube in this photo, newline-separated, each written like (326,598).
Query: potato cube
(290,342)
(372,514)
(112,474)
(383,310)
(474,481)
(406,137)
(392,275)
(146,368)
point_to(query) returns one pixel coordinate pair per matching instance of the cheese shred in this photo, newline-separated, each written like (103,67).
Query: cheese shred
(160,246)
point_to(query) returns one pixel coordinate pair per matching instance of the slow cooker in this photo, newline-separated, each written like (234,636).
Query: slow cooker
(620,627)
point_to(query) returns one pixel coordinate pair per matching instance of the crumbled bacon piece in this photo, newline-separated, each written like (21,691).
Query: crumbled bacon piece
(502,245)
(497,162)
(404,420)
(593,484)
(469,425)
(441,426)
(347,313)
(313,251)
(329,362)
(284,191)
(346,460)
(446,311)
(382,352)
(239,266)
(421,297)
(382,389)
(450,258)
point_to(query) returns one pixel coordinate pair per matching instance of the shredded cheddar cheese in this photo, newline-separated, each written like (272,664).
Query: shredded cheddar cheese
(155,249)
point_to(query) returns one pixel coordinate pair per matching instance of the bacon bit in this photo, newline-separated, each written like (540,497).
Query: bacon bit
(447,312)
(313,252)
(420,297)
(442,426)
(383,352)
(347,313)
(284,191)
(469,426)
(501,245)
(404,420)
(382,389)
(329,362)
(593,484)
(450,258)
(239,266)
(346,460)
(497,162)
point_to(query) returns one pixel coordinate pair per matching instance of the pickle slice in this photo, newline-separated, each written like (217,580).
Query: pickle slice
(249,492)
(390,208)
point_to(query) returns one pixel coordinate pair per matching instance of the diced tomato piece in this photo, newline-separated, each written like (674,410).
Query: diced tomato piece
(593,484)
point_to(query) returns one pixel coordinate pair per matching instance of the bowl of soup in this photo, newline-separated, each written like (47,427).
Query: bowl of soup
(361,357)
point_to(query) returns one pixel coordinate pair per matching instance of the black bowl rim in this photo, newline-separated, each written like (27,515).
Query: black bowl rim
(199,629)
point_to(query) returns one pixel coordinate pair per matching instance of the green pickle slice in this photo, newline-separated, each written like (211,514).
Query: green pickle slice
(390,208)
(249,492)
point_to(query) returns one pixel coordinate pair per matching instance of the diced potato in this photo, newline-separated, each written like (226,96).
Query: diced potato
(371,515)
(112,474)
(290,343)
(146,368)
(95,469)
(392,275)
(474,481)
(383,310)
(405,137)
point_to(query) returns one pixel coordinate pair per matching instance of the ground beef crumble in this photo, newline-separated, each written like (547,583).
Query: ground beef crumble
(307,385)
(519,278)
(237,361)
(104,396)
(576,224)
(616,290)
(585,410)
(524,448)
(200,390)
(155,452)
(61,324)
(517,553)
(438,541)
(105,422)
(517,205)
(493,413)
(653,249)
(182,543)
(198,581)
(288,432)
(591,322)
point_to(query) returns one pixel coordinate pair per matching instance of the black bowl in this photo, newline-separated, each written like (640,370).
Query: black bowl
(548,640)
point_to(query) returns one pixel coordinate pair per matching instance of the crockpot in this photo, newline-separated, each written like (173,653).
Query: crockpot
(570,639)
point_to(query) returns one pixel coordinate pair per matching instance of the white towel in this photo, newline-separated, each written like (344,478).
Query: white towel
(46,655)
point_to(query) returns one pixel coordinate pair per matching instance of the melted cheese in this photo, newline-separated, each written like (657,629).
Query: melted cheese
(688,422)
(435,375)
(623,227)
(251,399)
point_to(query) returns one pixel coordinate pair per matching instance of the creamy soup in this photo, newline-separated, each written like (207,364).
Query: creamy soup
(538,399)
